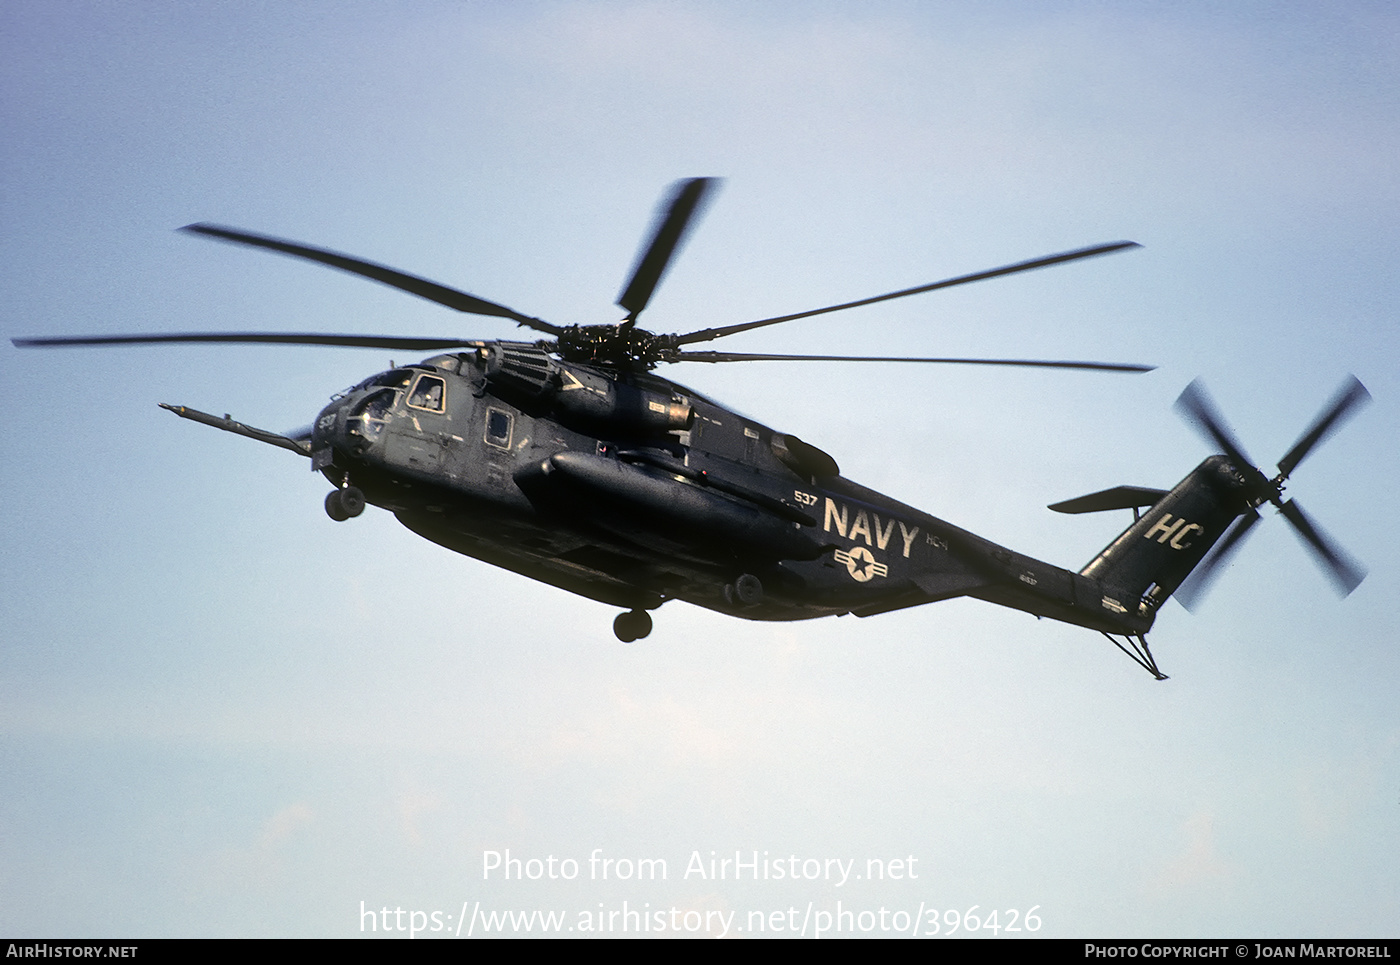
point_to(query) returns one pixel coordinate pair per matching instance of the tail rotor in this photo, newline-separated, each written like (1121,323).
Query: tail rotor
(1197,408)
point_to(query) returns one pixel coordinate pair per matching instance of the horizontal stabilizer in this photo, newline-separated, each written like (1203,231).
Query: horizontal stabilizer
(1119,497)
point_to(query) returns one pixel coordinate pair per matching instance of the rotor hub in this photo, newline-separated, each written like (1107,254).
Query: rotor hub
(621,346)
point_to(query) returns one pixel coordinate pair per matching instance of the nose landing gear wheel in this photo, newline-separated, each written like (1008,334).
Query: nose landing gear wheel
(632,625)
(352,500)
(343,504)
(333,508)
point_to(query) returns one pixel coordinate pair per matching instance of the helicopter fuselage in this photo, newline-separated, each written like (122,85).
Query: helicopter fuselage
(632,490)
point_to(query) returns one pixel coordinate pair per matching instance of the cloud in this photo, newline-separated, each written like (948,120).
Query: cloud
(1199,863)
(259,864)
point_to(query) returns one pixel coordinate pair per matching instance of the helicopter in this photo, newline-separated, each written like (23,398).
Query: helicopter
(569,461)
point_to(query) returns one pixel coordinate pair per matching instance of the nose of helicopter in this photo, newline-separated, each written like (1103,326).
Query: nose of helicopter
(323,432)
(353,424)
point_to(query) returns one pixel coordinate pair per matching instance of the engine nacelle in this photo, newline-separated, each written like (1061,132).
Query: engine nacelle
(580,397)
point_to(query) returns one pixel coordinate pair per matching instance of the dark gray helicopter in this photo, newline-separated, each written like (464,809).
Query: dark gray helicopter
(566,460)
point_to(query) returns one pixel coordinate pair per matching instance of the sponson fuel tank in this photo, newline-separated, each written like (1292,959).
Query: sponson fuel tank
(626,498)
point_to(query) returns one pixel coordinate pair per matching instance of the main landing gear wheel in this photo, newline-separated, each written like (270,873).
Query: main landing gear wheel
(747,590)
(343,504)
(632,625)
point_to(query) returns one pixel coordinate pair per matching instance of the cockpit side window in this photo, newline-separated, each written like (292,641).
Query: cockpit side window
(429,392)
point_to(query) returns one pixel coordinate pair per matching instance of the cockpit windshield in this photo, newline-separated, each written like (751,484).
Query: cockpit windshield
(367,419)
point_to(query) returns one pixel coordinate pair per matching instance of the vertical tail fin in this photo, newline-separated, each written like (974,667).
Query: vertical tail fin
(1154,555)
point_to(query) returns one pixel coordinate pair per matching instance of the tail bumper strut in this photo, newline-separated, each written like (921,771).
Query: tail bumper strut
(1135,646)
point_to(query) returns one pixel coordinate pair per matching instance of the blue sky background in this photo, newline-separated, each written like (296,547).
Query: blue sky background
(223,714)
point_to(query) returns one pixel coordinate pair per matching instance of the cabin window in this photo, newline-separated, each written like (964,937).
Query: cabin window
(429,392)
(498,428)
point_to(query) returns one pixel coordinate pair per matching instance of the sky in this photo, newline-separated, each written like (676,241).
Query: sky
(223,714)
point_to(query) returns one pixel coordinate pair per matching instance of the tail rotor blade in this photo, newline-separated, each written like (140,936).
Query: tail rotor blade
(668,232)
(1198,409)
(1195,587)
(1348,399)
(1346,573)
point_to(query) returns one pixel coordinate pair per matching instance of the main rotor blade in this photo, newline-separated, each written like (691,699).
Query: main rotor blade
(668,230)
(1345,572)
(1198,409)
(1031,363)
(1351,395)
(266,338)
(422,287)
(705,335)
(1194,588)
